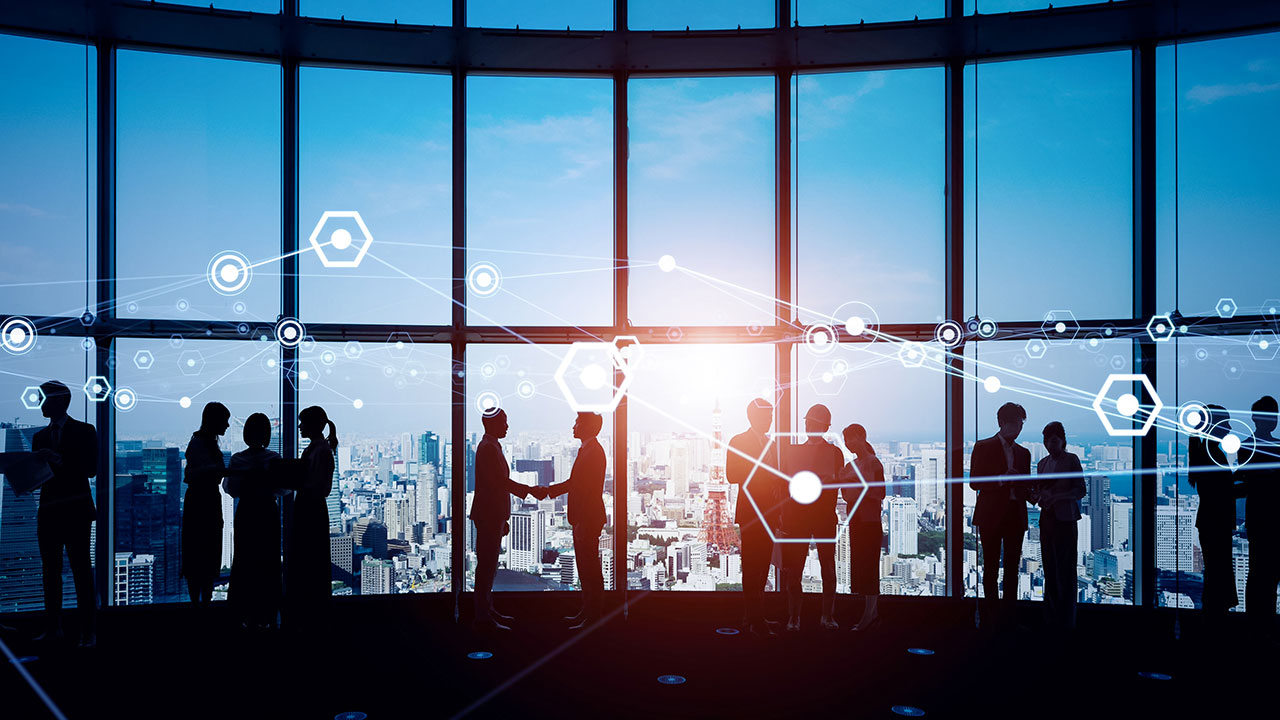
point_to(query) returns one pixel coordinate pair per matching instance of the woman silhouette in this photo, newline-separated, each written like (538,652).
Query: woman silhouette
(202,506)
(255,567)
(307,580)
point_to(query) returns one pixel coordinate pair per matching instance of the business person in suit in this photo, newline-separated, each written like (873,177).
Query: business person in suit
(751,457)
(1001,511)
(1059,498)
(490,511)
(813,521)
(1263,496)
(202,505)
(1211,476)
(866,535)
(585,488)
(66,513)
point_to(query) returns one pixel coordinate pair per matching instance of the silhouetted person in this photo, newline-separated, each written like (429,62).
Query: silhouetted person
(816,520)
(585,488)
(202,505)
(1263,498)
(308,582)
(865,532)
(66,511)
(256,583)
(1210,474)
(1059,499)
(751,457)
(490,511)
(1001,511)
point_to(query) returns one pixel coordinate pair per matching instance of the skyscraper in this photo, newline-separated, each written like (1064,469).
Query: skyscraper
(375,577)
(521,553)
(1099,510)
(904,528)
(20,583)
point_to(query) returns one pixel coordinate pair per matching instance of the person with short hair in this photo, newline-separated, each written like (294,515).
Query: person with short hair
(752,464)
(256,583)
(490,511)
(813,522)
(999,471)
(585,488)
(1059,498)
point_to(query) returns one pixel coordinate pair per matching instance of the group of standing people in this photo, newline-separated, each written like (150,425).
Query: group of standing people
(259,479)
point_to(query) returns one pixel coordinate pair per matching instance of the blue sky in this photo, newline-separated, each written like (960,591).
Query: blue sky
(199,145)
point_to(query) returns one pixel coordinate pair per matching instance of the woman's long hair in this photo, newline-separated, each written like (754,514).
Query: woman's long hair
(858,433)
(213,413)
(316,414)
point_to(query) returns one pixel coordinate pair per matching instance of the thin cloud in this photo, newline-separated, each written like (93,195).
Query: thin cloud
(1202,95)
(23,209)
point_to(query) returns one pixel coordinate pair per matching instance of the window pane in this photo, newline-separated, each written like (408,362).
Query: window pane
(682,400)
(378,144)
(172,380)
(1060,386)
(540,201)
(540,449)
(1231,372)
(701,190)
(52,358)
(844,12)
(48,139)
(902,410)
(1227,164)
(705,15)
(582,15)
(1049,191)
(198,177)
(869,200)
(413,12)
(389,511)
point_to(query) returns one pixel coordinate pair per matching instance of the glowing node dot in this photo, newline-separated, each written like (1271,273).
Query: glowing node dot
(357,403)
(191,362)
(948,334)
(666,263)
(399,344)
(271,362)
(290,332)
(17,336)
(821,339)
(228,272)
(1127,404)
(1194,418)
(484,279)
(855,325)
(303,374)
(805,487)
(184,401)
(827,377)
(33,398)
(1231,444)
(1093,342)
(487,403)
(992,384)
(593,377)
(1263,344)
(1160,327)
(913,353)
(340,238)
(97,388)
(1061,327)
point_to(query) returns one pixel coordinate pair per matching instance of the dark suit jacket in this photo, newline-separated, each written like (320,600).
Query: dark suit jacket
(767,487)
(1001,504)
(494,486)
(67,494)
(585,487)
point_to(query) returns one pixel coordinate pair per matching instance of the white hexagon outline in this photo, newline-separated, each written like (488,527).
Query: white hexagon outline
(616,357)
(815,378)
(1232,363)
(902,354)
(1036,342)
(293,374)
(1255,345)
(148,364)
(1168,322)
(406,345)
(319,248)
(841,527)
(1052,318)
(1230,310)
(412,366)
(27,390)
(353,349)
(88,388)
(182,362)
(1157,404)
(636,355)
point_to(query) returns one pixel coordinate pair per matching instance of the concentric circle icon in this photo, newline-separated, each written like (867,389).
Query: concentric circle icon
(488,402)
(488,370)
(858,319)
(820,338)
(949,333)
(290,332)
(1234,437)
(18,335)
(230,272)
(125,399)
(987,329)
(484,279)
(1193,417)
(525,389)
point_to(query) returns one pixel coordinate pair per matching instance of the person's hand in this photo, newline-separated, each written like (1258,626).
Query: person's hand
(48,455)
(538,493)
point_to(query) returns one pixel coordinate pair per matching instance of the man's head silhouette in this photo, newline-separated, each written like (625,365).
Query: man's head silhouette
(760,415)
(495,422)
(57,398)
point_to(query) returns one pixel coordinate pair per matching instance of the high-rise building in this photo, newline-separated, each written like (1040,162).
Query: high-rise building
(1099,509)
(20,575)
(134,579)
(429,450)
(371,534)
(568,569)
(376,577)
(904,526)
(1175,532)
(340,554)
(521,553)
(933,470)
(679,486)
(546,470)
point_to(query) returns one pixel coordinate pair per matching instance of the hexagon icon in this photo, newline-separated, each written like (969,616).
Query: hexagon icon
(1160,328)
(32,397)
(828,377)
(759,469)
(1127,405)
(585,376)
(97,388)
(1036,348)
(399,345)
(1226,308)
(303,375)
(630,350)
(144,360)
(353,349)
(414,372)
(87,319)
(1059,327)
(334,247)
(911,354)
(191,362)
(1263,345)
(1233,369)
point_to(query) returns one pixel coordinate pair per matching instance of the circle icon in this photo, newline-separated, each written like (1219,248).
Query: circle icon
(357,403)
(948,333)
(991,384)
(290,332)
(184,401)
(239,308)
(525,389)
(229,272)
(340,238)
(666,263)
(820,338)
(1193,417)
(1127,404)
(858,319)
(125,399)
(484,279)
(987,329)
(671,679)
(488,370)
(488,401)
(805,487)
(18,335)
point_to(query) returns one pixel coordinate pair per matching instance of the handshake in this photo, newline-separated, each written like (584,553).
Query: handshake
(537,493)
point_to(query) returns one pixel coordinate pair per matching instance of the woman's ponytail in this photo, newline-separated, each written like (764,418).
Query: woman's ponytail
(333,435)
